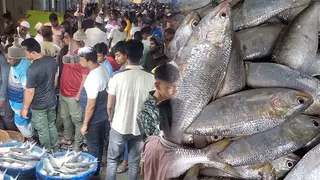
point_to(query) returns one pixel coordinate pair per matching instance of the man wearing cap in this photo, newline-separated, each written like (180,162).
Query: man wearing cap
(38,37)
(95,35)
(16,86)
(23,31)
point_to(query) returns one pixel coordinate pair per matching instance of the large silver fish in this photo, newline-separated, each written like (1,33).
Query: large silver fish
(308,167)
(203,63)
(276,169)
(269,145)
(249,112)
(183,33)
(311,144)
(235,79)
(299,44)
(187,5)
(271,75)
(255,12)
(258,42)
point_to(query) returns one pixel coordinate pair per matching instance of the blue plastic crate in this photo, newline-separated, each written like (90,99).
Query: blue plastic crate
(84,176)
(24,173)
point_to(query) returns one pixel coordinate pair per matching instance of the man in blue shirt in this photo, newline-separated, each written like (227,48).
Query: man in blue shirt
(102,52)
(16,86)
(156,28)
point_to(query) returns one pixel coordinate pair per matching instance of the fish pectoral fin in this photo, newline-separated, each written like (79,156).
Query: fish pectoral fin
(193,173)
(268,173)
(217,162)
(257,166)
(217,147)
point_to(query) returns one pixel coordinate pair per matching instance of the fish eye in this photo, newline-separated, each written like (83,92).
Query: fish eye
(195,23)
(215,137)
(223,14)
(289,164)
(315,123)
(301,101)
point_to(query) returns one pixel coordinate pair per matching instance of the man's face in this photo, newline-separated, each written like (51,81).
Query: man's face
(100,58)
(166,89)
(169,36)
(112,16)
(84,63)
(23,31)
(120,58)
(145,36)
(54,23)
(121,28)
(66,38)
(29,55)
(12,62)
(153,46)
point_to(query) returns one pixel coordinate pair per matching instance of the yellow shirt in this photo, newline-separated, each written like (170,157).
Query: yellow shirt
(128,29)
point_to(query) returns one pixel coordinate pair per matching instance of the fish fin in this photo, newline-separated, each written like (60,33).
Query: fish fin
(17,176)
(236,138)
(192,173)
(217,162)
(5,171)
(268,172)
(217,147)
(32,146)
(257,166)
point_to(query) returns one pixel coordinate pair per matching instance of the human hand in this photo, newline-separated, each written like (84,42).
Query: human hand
(84,129)
(1,104)
(24,113)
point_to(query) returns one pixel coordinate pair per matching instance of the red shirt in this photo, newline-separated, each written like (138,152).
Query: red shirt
(71,78)
(114,64)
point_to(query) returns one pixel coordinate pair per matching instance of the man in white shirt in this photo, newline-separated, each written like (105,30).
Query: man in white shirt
(23,31)
(95,116)
(128,89)
(117,34)
(95,35)
(38,37)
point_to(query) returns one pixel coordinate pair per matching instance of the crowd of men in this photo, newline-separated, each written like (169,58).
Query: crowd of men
(99,82)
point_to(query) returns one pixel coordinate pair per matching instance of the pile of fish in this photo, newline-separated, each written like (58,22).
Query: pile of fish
(67,166)
(248,101)
(24,156)
(3,176)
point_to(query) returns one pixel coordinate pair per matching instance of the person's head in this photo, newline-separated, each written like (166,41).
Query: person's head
(47,33)
(169,34)
(153,24)
(138,36)
(7,17)
(67,17)
(98,22)
(24,29)
(140,17)
(88,57)
(155,44)
(123,25)
(11,61)
(134,51)
(119,51)
(102,51)
(112,15)
(166,80)
(53,17)
(33,49)
(146,32)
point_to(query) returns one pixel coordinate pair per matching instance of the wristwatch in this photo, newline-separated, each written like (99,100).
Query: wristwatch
(25,108)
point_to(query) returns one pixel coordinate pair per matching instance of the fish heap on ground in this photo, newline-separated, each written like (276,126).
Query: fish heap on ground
(23,156)
(67,166)
(4,176)
(247,120)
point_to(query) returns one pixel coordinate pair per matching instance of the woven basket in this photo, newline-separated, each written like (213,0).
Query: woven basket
(15,136)
(4,136)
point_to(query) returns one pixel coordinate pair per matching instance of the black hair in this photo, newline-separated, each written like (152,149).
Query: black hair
(123,23)
(101,48)
(89,53)
(146,30)
(46,32)
(68,28)
(119,47)
(7,16)
(66,16)
(170,31)
(53,17)
(138,36)
(134,50)
(167,72)
(32,45)
(6,49)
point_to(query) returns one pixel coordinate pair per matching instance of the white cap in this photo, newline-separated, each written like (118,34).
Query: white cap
(99,20)
(25,24)
(38,26)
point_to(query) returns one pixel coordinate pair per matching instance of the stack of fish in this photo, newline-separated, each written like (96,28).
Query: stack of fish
(24,156)
(4,176)
(256,62)
(67,166)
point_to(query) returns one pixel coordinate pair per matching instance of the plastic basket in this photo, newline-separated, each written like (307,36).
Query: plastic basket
(84,176)
(4,136)
(24,173)
(7,177)
(15,136)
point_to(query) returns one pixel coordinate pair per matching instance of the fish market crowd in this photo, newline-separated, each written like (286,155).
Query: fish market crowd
(206,90)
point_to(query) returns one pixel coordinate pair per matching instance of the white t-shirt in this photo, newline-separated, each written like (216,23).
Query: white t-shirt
(131,87)
(134,29)
(97,81)
(95,36)
(117,36)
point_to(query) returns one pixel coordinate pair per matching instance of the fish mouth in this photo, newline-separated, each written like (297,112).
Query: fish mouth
(304,100)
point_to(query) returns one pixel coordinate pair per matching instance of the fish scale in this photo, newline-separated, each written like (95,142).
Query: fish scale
(202,63)
(262,75)
(249,112)
(269,145)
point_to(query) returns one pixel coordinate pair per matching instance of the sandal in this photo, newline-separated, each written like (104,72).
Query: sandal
(65,142)
(121,169)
